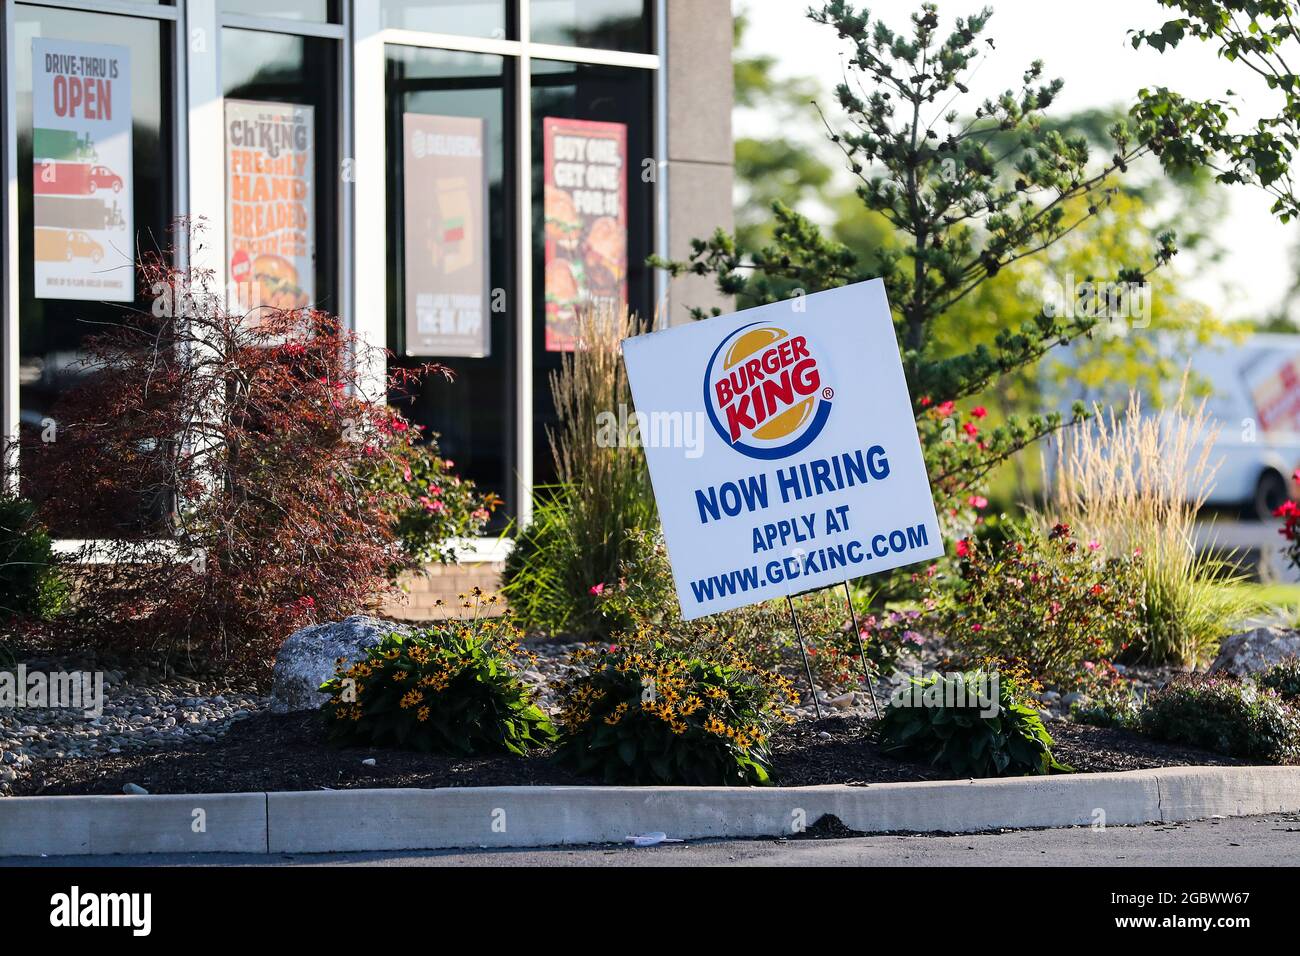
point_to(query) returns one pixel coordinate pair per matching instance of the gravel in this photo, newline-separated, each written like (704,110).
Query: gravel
(149,711)
(141,711)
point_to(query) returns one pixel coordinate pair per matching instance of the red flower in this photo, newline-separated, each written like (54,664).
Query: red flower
(963,548)
(925,401)
(597,589)
(979,411)
(970,429)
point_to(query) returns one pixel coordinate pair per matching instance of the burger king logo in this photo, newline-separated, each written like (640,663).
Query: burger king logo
(764,392)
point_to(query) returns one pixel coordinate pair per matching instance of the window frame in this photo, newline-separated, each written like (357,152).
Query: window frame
(370,41)
(199,180)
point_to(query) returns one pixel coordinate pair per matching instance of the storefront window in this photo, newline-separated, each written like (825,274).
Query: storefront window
(601,24)
(282,221)
(449,253)
(313,11)
(593,212)
(96,141)
(476,18)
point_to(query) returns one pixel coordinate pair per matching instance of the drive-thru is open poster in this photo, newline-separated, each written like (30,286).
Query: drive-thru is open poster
(81,171)
(585,207)
(810,471)
(445,281)
(270,204)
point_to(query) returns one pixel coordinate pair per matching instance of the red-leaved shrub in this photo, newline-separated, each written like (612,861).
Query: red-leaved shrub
(213,460)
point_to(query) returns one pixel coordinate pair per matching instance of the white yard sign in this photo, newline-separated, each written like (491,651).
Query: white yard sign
(803,467)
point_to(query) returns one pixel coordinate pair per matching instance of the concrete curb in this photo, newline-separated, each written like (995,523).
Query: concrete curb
(203,823)
(344,820)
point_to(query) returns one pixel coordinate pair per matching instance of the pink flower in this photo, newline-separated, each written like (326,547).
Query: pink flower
(598,590)
(1094,545)
(435,491)
(963,548)
(977,502)
(406,473)
(977,628)
(970,429)
(448,463)
(479,514)
(945,409)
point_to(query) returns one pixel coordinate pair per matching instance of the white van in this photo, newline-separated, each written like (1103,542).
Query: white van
(1255,405)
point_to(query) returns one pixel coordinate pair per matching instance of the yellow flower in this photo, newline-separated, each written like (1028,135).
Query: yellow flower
(423,713)
(411,698)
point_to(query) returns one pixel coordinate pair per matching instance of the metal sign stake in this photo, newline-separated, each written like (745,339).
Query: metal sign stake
(862,651)
(802,650)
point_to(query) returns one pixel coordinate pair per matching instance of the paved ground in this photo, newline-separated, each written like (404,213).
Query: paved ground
(1253,542)
(1245,841)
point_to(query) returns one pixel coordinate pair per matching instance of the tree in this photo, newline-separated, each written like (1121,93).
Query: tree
(226,452)
(962,211)
(1260,36)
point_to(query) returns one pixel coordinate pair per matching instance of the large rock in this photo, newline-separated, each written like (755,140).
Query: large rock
(1251,651)
(308,658)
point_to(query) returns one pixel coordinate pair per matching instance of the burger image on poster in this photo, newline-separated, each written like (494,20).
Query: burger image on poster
(809,471)
(277,283)
(605,257)
(561,285)
(563,224)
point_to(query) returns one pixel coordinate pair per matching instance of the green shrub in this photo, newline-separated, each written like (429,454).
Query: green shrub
(1109,707)
(1225,715)
(951,721)
(1137,481)
(541,576)
(453,688)
(1283,677)
(32,584)
(651,715)
(603,490)
(1045,600)
(429,503)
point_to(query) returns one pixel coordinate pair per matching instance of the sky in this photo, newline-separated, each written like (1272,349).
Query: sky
(1086,45)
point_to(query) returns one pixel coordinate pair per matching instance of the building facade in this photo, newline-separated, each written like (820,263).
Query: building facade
(449,176)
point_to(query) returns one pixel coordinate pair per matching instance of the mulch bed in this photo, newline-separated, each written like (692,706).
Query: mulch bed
(289,752)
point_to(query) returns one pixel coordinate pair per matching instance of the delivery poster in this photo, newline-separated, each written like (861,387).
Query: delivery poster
(270,205)
(445,225)
(84,242)
(585,208)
